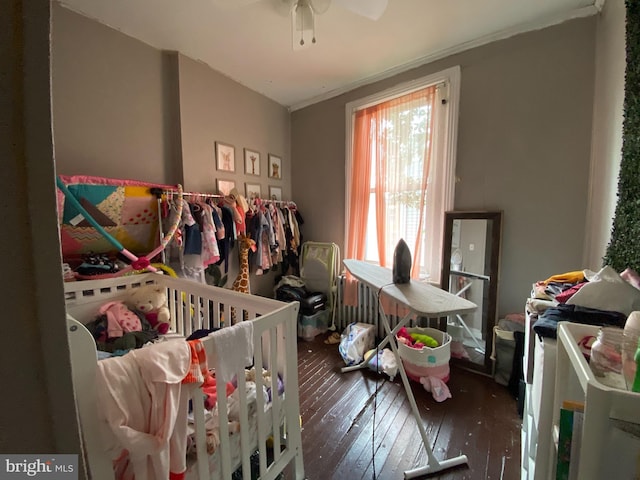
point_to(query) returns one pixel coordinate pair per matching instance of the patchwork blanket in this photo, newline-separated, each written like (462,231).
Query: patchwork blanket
(126,209)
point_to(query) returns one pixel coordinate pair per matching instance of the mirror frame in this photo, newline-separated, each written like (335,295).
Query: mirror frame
(492,270)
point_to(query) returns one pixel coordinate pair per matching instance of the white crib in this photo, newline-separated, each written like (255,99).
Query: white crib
(194,306)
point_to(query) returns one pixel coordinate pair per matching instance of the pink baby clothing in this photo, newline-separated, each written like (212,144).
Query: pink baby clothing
(437,387)
(120,319)
(210,252)
(142,407)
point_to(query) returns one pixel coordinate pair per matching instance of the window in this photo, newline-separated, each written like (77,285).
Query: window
(400,171)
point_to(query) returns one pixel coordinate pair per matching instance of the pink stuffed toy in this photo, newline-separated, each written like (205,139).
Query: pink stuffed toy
(210,389)
(120,319)
(404,337)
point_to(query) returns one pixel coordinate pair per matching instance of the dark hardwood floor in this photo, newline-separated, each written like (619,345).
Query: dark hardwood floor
(359,425)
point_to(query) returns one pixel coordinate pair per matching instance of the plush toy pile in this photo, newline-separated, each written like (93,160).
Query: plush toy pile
(122,326)
(416,340)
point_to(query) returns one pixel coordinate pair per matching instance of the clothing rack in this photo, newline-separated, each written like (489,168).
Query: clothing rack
(163,192)
(259,201)
(170,191)
(253,200)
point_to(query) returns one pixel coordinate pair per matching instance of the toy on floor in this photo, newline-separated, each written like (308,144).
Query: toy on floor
(384,361)
(151,300)
(437,387)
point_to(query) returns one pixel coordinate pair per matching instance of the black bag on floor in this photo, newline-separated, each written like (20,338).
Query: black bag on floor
(310,303)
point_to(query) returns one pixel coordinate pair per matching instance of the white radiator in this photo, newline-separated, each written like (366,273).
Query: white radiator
(366,311)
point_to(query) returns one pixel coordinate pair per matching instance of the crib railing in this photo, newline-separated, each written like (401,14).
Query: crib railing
(191,308)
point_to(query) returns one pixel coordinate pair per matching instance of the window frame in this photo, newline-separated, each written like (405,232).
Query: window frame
(445,140)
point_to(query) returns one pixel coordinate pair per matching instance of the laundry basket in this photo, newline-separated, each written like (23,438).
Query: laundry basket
(427,361)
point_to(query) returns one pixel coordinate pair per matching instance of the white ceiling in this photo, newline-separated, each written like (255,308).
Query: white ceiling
(250,41)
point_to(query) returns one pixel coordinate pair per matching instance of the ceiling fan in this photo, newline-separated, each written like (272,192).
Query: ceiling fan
(371,9)
(303,13)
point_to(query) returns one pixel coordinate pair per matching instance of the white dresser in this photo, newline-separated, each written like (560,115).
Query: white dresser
(555,371)
(538,451)
(610,440)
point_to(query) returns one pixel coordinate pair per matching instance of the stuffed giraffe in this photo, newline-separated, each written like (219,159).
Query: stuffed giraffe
(241,283)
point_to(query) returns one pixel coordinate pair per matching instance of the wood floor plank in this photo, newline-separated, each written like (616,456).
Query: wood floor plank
(352,414)
(341,439)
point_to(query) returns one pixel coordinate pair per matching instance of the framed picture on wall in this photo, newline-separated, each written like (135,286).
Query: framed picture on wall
(275,167)
(225,186)
(251,162)
(275,193)
(253,190)
(225,157)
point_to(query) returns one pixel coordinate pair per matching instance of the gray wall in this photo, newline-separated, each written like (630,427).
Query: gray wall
(109,103)
(123,109)
(37,409)
(215,108)
(523,147)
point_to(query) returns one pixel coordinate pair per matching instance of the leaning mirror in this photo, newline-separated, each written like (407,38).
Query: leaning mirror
(470,264)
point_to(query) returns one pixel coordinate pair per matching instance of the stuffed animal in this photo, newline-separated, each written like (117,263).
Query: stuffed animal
(424,339)
(151,300)
(210,389)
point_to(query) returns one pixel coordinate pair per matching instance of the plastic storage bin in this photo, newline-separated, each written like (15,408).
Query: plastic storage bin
(309,326)
(427,362)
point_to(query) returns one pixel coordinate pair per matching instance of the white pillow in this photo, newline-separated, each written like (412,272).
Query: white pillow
(607,290)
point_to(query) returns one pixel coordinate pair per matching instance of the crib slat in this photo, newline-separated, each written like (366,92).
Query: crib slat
(206,313)
(201,437)
(223,428)
(261,418)
(276,404)
(214,320)
(180,312)
(171,299)
(244,430)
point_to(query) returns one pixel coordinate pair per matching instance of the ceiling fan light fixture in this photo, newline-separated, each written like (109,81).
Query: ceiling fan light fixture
(303,25)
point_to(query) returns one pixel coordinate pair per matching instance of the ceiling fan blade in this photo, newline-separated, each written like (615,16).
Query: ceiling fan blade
(372,9)
(232,3)
(283,7)
(320,6)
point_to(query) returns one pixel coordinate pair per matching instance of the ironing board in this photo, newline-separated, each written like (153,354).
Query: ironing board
(423,300)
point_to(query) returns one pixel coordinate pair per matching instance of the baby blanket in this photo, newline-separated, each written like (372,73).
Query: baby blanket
(126,209)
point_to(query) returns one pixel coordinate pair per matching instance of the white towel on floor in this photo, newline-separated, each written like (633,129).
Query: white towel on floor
(233,349)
